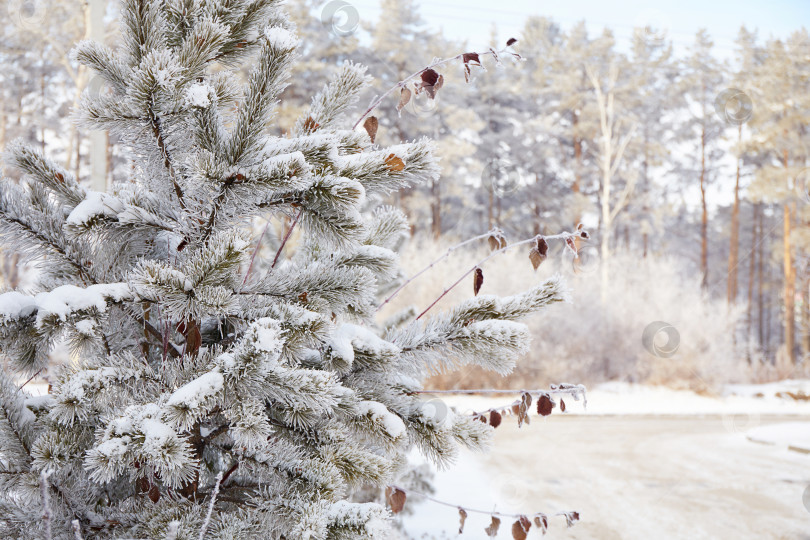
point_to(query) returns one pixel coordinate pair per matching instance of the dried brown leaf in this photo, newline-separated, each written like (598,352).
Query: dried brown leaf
(478,280)
(462,518)
(541,522)
(542,245)
(511,42)
(493,242)
(520,528)
(544,405)
(536,258)
(429,77)
(495,419)
(431,83)
(394,163)
(572,246)
(492,530)
(370,125)
(562,405)
(471,57)
(404,98)
(396,498)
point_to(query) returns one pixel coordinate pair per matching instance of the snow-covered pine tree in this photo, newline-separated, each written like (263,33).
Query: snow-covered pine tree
(202,404)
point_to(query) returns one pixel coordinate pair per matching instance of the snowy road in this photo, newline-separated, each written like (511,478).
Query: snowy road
(631,477)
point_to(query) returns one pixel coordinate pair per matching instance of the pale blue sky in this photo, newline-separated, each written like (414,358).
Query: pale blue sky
(472,19)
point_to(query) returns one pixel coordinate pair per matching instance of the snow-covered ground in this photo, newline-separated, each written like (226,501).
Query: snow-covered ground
(641,463)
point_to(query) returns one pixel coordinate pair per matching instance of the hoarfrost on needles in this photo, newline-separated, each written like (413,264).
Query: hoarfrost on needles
(193,393)
(197,95)
(280,38)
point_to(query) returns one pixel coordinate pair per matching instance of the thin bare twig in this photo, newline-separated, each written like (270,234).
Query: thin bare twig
(563,235)
(30,378)
(255,251)
(475,510)
(286,237)
(214,494)
(409,78)
(576,391)
(432,264)
(561,389)
(229,472)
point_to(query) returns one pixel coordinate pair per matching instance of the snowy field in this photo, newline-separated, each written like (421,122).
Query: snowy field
(642,463)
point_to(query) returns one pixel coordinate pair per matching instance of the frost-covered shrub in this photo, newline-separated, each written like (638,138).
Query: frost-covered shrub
(589,340)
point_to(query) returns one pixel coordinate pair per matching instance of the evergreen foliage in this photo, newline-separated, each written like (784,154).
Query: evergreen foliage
(269,400)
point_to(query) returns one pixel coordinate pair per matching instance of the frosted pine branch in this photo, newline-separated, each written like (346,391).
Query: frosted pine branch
(211,502)
(77,529)
(47,514)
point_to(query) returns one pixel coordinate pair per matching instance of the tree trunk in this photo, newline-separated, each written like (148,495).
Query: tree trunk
(42,109)
(760,298)
(790,287)
(751,275)
(645,208)
(577,141)
(537,211)
(491,207)
(733,252)
(805,318)
(2,125)
(607,224)
(704,220)
(436,209)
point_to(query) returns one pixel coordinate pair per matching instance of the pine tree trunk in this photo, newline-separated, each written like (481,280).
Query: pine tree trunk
(577,155)
(436,209)
(790,287)
(491,207)
(733,252)
(606,221)
(760,298)
(42,109)
(751,273)
(2,124)
(537,212)
(805,318)
(645,206)
(704,220)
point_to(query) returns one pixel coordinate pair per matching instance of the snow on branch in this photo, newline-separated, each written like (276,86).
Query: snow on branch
(62,302)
